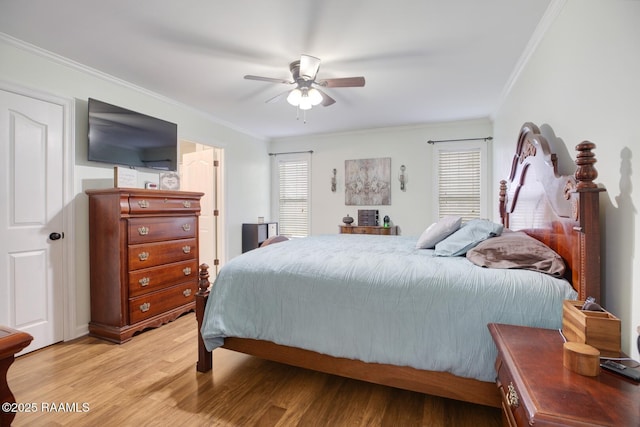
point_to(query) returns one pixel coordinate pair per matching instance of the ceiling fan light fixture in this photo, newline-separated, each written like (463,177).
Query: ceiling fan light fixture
(315,96)
(305,102)
(294,97)
(304,98)
(304,73)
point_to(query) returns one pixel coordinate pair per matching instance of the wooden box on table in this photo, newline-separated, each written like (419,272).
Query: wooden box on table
(599,329)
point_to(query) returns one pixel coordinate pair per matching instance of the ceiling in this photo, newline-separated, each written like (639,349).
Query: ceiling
(424,61)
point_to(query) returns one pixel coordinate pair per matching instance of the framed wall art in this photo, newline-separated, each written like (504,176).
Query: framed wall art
(368,181)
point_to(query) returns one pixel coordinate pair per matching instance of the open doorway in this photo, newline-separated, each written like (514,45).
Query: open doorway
(200,168)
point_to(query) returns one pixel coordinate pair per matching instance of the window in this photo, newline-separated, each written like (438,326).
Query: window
(460,183)
(291,186)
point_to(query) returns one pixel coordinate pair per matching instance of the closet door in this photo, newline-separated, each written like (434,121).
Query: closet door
(31,218)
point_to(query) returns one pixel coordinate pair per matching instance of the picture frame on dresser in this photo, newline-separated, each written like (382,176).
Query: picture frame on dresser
(124,177)
(169,181)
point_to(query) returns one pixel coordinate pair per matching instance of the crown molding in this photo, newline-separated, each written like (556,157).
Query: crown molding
(59,59)
(550,15)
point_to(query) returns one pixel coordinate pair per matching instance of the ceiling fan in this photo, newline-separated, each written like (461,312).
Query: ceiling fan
(307,94)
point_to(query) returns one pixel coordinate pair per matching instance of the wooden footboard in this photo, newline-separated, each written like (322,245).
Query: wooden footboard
(429,382)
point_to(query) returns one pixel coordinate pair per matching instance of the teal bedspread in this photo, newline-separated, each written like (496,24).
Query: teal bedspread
(378,299)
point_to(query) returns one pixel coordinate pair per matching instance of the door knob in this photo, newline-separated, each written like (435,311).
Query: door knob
(56,236)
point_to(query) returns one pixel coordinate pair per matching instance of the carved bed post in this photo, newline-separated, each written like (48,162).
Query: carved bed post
(204,357)
(588,211)
(504,218)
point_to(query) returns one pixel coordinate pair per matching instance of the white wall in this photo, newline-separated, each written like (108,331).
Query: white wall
(246,163)
(412,210)
(582,82)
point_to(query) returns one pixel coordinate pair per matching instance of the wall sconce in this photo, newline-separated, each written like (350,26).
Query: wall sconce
(402,177)
(334,181)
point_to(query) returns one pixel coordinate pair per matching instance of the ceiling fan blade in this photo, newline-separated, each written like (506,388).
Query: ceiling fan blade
(277,97)
(268,79)
(309,66)
(342,82)
(326,99)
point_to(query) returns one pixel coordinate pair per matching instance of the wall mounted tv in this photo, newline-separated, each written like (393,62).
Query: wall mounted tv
(124,137)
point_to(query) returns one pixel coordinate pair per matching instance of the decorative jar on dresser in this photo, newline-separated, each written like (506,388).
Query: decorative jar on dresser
(144,259)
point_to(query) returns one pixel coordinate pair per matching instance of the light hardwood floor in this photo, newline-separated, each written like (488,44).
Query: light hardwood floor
(152,380)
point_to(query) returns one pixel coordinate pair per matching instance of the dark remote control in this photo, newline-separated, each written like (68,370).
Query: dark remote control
(621,369)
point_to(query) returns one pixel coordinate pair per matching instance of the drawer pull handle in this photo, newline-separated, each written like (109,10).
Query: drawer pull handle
(186,249)
(143,256)
(143,204)
(145,307)
(187,271)
(512,396)
(186,293)
(186,227)
(186,203)
(143,231)
(144,281)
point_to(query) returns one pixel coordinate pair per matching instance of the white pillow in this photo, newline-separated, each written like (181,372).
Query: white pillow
(438,231)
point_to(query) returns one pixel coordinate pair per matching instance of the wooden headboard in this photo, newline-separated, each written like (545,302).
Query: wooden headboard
(561,211)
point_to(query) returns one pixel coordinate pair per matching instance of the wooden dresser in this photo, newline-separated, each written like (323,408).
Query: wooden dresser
(144,259)
(538,390)
(368,229)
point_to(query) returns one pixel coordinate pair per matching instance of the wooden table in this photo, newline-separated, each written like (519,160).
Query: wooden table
(11,342)
(369,229)
(538,390)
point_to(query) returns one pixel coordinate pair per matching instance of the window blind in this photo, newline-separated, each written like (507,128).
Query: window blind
(293,217)
(459,184)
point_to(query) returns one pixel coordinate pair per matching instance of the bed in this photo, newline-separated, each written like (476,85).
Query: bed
(385,311)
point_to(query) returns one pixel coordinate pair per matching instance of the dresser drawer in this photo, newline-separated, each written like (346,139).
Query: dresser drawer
(155,203)
(514,412)
(360,230)
(142,230)
(154,278)
(149,305)
(153,254)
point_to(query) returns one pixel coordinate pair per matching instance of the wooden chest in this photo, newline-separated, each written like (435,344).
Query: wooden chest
(144,259)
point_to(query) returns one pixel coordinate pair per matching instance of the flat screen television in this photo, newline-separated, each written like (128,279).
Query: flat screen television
(124,137)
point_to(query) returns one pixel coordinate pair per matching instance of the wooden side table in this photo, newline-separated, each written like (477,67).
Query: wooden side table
(538,390)
(11,342)
(369,229)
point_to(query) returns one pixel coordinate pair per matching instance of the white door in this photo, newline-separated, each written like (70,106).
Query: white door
(198,174)
(31,206)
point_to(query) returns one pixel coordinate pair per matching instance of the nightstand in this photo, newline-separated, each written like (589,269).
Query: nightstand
(538,390)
